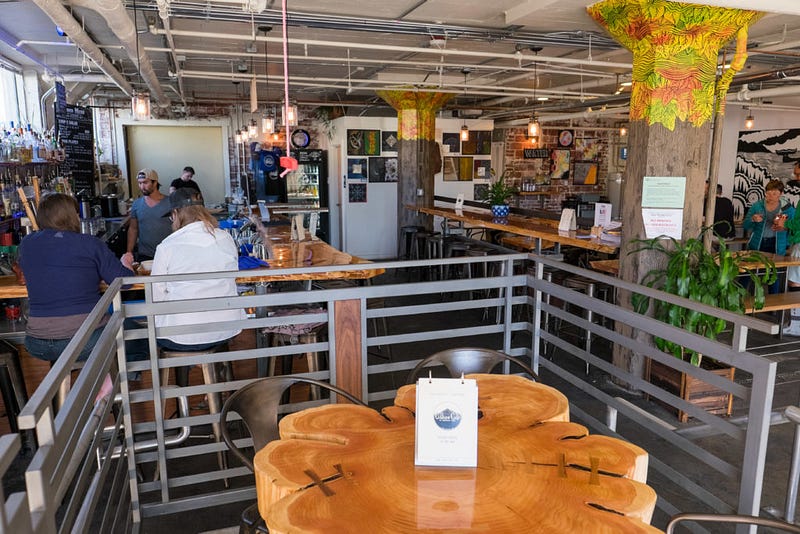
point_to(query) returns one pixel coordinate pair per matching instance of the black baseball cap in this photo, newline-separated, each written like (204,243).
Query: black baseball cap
(184,197)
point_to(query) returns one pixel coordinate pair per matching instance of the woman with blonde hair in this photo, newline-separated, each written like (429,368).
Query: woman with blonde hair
(196,245)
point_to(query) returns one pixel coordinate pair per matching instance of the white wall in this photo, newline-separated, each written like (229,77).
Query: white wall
(169,145)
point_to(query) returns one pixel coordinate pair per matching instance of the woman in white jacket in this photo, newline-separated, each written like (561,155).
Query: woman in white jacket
(196,245)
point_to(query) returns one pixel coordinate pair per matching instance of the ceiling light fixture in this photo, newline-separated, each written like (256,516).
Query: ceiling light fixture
(623,130)
(464,127)
(252,129)
(749,121)
(534,128)
(267,121)
(140,101)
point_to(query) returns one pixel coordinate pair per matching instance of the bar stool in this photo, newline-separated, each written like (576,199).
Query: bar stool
(12,383)
(454,248)
(293,334)
(420,245)
(590,288)
(434,249)
(209,377)
(407,234)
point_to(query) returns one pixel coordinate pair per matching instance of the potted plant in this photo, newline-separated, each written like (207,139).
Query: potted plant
(713,278)
(497,196)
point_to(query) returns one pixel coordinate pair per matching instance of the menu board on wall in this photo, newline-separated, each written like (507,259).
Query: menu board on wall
(74,128)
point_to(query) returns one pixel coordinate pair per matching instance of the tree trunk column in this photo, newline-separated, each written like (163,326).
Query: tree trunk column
(673,96)
(418,156)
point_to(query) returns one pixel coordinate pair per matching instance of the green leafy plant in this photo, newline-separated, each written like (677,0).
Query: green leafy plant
(499,192)
(713,278)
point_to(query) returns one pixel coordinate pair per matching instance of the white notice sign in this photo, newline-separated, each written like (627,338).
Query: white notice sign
(446,422)
(568,220)
(602,214)
(662,222)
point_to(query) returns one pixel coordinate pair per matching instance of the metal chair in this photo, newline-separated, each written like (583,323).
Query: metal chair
(732,518)
(257,404)
(468,360)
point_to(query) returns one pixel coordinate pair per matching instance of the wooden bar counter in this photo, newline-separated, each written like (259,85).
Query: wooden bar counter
(535,228)
(345,468)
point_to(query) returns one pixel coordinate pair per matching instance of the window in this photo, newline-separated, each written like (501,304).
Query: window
(11,96)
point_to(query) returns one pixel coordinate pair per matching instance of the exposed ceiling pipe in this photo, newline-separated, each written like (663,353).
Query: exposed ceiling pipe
(124,28)
(518,56)
(13,43)
(64,19)
(163,13)
(744,94)
(586,114)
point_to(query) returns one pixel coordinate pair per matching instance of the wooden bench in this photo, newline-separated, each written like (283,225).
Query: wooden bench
(776,302)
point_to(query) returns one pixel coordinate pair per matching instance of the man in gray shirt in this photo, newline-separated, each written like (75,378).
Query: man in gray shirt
(148,224)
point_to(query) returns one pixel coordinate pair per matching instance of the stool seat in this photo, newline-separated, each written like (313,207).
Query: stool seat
(407,234)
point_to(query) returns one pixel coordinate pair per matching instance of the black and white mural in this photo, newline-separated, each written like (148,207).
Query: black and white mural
(764,155)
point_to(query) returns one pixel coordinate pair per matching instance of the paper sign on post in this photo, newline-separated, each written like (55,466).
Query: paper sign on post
(446,422)
(568,220)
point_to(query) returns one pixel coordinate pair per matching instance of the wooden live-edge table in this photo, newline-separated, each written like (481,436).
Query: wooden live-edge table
(345,468)
(515,224)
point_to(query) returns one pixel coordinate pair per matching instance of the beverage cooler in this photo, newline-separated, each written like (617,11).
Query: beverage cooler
(308,185)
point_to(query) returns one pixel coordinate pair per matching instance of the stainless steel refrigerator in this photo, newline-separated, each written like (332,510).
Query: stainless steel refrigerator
(308,185)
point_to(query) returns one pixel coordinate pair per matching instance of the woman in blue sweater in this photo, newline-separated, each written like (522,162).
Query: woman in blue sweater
(63,270)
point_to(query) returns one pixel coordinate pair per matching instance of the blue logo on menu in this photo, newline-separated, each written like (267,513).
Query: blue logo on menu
(447,419)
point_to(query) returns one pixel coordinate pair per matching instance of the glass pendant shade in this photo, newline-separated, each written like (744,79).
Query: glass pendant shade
(267,124)
(623,131)
(465,133)
(252,129)
(749,122)
(534,128)
(290,115)
(140,106)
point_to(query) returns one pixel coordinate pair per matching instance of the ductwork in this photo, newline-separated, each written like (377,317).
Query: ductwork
(123,27)
(64,19)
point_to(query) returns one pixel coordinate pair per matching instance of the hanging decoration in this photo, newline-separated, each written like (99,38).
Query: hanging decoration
(140,101)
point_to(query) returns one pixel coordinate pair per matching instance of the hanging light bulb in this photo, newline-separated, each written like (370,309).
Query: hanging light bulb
(252,129)
(623,131)
(140,106)
(238,137)
(290,114)
(140,101)
(276,136)
(749,121)
(465,132)
(267,124)
(534,128)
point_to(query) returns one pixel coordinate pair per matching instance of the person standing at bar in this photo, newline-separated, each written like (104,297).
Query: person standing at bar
(185,180)
(63,269)
(147,226)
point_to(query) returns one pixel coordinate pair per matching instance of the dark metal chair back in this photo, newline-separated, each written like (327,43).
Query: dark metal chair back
(732,518)
(257,404)
(467,360)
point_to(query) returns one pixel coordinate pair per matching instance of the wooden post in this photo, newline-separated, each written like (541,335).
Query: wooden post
(674,91)
(347,325)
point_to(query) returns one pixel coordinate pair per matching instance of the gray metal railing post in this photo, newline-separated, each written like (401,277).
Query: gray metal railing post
(793,414)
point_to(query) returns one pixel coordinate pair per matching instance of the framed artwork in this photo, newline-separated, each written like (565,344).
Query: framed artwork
(389,141)
(482,169)
(479,143)
(363,142)
(451,142)
(559,164)
(480,191)
(584,173)
(357,192)
(382,169)
(566,138)
(357,169)
(458,169)
(588,148)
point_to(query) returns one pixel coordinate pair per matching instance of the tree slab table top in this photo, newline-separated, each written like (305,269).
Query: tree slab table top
(347,468)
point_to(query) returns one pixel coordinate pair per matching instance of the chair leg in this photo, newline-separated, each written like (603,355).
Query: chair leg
(214,407)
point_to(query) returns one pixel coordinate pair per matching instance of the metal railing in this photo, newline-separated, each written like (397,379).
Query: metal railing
(152,453)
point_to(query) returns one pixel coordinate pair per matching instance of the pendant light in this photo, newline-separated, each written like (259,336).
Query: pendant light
(289,114)
(464,127)
(623,130)
(534,128)
(140,101)
(267,121)
(749,121)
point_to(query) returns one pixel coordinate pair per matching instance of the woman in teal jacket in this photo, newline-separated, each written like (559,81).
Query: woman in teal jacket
(765,221)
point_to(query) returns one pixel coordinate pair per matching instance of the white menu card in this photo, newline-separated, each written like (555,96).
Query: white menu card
(446,422)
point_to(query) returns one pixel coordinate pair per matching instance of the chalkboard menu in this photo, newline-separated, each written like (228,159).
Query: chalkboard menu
(74,128)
